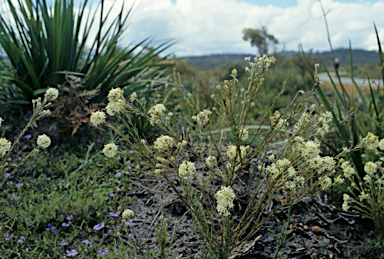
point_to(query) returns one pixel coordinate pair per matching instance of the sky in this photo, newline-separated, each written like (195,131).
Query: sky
(204,27)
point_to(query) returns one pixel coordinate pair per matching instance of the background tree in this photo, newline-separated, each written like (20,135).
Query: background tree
(260,38)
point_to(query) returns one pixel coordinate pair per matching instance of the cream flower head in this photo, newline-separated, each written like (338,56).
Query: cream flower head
(5,146)
(116,95)
(163,143)
(128,214)
(156,112)
(43,141)
(51,94)
(187,169)
(98,118)
(110,150)
(114,107)
(225,199)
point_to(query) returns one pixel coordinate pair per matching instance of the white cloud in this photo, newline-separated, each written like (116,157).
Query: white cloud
(215,26)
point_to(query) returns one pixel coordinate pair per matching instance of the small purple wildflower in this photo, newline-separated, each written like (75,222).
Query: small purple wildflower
(69,217)
(223,137)
(99,226)
(63,243)
(28,136)
(21,203)
(19,158)
(66,224)
(86,242)
(85,149)
(21,239)
(9,183)
(118,174)
(54,228)
(73,252)
(130,223)
(119,189)
(98,140)
(16,198)
(18,185)
(128,165)
(117,146)
(7,175)
(150,146)
(109,231)
(130,236)
(111,194)
(49,225)
(105,235)
(7,236)
(14,164)
(131,151)
(137,234)
(111,214)
(103,253)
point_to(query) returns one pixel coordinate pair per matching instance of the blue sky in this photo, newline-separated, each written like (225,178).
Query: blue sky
(202,27)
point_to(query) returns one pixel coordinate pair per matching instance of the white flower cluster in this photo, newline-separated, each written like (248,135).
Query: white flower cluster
(348,170)
(98,118)
(363,196)
(211,161)
(156,112)
(202,118)
(128,214)
(291,179)
(115,95)
(133,96)
(110,150)
(370,168)
(187,170)
(261,63)
(114,107)
(43,141)
(244,134)
(309,150)
(346,199)
(232,152)
(116,101)
(324,120)
(51,94)
(163,143)
(371,141)
(5,146)
(225,199)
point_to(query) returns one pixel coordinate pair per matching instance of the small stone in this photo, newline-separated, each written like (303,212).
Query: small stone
(300,224)
(316,229)
(306,227)
(145,193)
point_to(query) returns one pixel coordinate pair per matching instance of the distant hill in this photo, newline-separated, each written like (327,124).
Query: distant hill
(360,57)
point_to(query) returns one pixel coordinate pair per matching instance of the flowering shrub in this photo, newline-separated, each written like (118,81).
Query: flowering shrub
(297,170)
(40,109)
(367,194)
